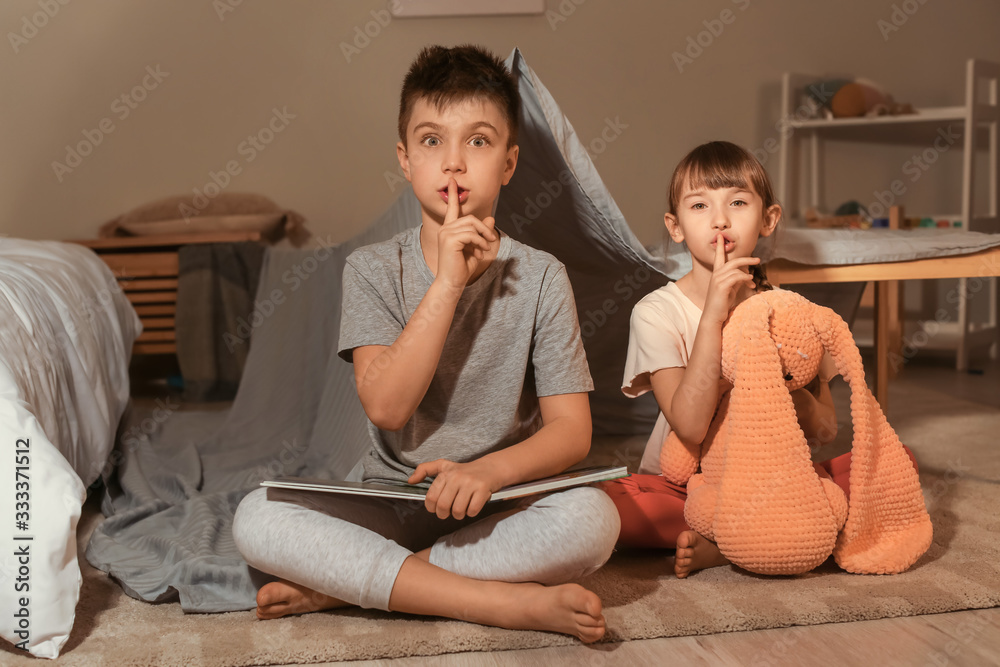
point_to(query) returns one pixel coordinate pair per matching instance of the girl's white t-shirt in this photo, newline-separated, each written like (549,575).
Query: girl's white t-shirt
(661,335)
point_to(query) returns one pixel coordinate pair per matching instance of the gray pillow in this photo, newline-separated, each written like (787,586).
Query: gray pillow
(557,202)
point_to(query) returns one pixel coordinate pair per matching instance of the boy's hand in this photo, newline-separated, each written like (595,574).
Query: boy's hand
(462,242)
(728,276)
(459,489)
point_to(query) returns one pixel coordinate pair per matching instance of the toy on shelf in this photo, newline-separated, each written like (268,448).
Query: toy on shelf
(844,98)
(758,494)
(853,215)
(849,215)
(931,222)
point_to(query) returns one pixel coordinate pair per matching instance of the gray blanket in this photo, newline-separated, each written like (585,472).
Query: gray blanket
(171,500)
(215,312)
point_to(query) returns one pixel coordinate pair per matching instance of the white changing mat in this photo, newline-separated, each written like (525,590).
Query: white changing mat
(850,246)
(870,246)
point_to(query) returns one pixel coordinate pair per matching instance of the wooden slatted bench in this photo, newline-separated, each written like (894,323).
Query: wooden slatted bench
(146,268)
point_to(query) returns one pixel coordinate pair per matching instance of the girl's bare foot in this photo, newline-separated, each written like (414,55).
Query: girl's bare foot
(570,609)
(285,598)
(694,553)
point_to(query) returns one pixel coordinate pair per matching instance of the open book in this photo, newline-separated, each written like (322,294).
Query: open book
(409,492)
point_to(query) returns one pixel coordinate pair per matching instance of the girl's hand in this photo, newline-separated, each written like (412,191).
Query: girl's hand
(462,242)
(459,489)
(728,277)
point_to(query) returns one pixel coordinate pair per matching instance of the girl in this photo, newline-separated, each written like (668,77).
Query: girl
(721,203)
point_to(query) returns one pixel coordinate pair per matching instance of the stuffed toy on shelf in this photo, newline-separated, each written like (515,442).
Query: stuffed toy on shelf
(758,495)
(845,98)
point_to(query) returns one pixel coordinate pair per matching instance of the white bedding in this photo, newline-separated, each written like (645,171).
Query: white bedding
(66,334)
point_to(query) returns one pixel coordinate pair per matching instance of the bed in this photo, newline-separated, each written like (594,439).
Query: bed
(66,334)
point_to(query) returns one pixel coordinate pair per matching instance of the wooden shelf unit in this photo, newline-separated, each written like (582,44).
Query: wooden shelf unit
(146,268)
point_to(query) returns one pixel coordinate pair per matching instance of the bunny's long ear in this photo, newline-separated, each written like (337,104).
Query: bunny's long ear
(887,527)
(773,515)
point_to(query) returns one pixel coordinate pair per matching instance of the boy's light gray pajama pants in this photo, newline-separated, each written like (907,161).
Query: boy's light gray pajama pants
(352,547)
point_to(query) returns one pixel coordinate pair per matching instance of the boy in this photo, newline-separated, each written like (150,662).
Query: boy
(469,364)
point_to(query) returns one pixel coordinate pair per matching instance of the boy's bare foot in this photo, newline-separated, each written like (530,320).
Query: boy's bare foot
(284,598)
(570,609)
(694,553)
(422,588)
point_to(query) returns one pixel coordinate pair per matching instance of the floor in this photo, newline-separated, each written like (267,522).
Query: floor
(958,638)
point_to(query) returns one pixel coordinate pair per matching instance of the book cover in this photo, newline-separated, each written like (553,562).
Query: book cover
(417,493)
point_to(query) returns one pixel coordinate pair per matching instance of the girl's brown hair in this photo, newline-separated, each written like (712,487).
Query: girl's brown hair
(721,164)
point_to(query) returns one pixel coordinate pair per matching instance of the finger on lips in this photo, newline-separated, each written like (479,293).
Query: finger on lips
(454,206)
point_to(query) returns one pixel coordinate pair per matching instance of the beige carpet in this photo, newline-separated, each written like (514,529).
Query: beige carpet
(955,442)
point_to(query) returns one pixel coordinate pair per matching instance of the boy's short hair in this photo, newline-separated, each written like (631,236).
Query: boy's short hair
(446,76)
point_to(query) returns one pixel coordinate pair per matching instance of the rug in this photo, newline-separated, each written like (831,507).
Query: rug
(954,441)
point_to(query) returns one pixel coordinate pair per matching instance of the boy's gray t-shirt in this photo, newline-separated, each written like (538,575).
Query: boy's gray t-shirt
(515,336)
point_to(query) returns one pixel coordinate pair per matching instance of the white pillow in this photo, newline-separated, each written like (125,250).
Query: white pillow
(39,590)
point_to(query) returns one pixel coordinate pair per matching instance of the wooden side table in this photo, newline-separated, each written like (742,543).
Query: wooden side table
(886,276)
(146,268)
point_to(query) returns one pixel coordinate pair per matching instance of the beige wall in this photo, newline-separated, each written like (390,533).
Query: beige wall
(606,60)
